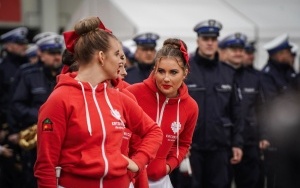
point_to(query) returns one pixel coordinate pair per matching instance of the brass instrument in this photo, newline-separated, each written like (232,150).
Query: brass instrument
(28,138)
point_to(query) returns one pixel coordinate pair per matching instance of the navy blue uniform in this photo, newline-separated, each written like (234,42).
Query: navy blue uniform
(211,83)
(277,79)
(33,88)
(247,172)
(138,73)
(8,68)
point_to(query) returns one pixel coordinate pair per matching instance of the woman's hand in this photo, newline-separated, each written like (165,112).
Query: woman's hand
(132,166)
(168,169)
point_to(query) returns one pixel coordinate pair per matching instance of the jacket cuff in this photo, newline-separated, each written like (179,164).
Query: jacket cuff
(141,160)
(173,163)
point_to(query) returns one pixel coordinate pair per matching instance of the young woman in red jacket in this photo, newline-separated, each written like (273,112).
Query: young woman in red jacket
(165,98)
(81,125)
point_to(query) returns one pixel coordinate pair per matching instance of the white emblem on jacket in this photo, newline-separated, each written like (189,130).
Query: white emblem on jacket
(175,128)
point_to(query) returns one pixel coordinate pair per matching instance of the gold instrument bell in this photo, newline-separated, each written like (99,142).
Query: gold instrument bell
(28,138)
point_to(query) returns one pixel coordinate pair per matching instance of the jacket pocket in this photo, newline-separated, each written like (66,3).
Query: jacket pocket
(224,93)
(223,131)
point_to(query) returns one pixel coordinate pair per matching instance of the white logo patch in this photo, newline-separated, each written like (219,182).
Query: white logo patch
(116,114)
(175,127)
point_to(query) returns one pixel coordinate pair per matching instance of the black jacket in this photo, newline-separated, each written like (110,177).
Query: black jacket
(8,67)
(211,84)
(249,82)
(32,90)
(138,73)
(277,78)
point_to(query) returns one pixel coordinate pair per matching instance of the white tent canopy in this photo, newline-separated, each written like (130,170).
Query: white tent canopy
(260,20)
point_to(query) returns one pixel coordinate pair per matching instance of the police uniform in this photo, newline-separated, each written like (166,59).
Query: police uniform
(247,172)
(35,84)
(31,51)
(218,129)
(141,70)
(277,75)
(277,79)
(9,66)
(11,61)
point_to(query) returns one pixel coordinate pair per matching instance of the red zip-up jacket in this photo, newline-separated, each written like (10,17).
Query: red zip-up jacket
(80,129)
(168,113)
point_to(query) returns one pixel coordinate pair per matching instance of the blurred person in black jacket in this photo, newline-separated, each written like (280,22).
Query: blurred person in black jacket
(277,78)
(14,46)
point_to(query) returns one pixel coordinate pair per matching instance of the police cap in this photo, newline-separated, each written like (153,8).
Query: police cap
(18,35)
(279,43)
(208,28)
(39,36)
(52,43)
(146,39)
(234,40)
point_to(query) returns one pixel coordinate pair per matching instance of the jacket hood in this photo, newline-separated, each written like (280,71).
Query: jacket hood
(68,79)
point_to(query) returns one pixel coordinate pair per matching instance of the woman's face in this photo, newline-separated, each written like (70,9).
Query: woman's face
(112,59)
(169,76)
(122,72)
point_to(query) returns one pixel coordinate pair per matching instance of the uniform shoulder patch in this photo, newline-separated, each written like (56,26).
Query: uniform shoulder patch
(47,125)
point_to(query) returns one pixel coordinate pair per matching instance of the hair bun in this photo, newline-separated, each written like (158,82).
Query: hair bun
(86,25)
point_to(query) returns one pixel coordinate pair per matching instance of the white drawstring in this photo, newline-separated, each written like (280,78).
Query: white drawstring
(159,115)
(114,112)
(87,113)
(157,110)
(104,137)
(177,128)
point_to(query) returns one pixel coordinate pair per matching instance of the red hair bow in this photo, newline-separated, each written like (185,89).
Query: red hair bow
(184,52)
(71,37)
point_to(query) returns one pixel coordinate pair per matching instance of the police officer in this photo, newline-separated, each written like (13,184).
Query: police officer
(35,85)
(249,54)
(278,74)
(129,57)
(33,58)
(14,45)
(31,54)
(249,57)
(217,139)
(246,173)
(143,57)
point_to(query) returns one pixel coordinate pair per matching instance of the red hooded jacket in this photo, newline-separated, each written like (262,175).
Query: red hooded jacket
(168,113)
(80,129)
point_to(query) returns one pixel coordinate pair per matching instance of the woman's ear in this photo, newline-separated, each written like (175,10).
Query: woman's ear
(186,71)
(101,57)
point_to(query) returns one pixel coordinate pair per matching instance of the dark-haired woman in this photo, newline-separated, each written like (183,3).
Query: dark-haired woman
(165,98)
